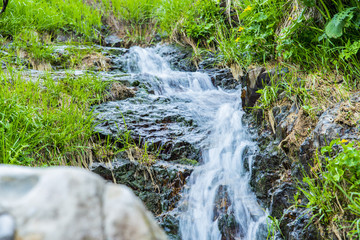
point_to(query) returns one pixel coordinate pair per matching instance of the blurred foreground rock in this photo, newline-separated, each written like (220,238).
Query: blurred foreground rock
(70,203)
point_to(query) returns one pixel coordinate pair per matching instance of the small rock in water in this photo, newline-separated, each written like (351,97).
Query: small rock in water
(113,41)
(120,92)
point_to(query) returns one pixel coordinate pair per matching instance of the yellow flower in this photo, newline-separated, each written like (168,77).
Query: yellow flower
(240,29)
(248,8)
(290,18)
(237,39)
(344,141)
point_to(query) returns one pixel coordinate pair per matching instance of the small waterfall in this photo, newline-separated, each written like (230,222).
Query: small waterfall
(223,173)
(218,191)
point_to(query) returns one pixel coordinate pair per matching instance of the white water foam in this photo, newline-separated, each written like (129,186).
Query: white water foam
(223,160)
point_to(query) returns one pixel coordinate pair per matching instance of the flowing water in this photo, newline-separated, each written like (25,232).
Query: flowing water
(222,171)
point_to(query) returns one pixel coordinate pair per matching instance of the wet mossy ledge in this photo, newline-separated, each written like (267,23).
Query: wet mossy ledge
(293,129)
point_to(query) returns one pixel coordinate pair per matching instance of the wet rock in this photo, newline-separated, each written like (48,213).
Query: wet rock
(158,185)
(339,121)
(63,38)
(113,41)
(222,78)
(70,203)
(295,225)
(169,222)
(253,83)
(156,119)
(228,227)
(282,198)
(257,79)
(210,61)
(268,164)
(119,92)
(227,224)
(157,38)
(178,57)
(261,183)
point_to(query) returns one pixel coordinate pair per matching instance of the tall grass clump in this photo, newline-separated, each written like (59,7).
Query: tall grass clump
(51,16)
(43,121)
(194,19)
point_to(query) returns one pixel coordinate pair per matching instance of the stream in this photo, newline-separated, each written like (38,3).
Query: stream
(218,192)
(191,117)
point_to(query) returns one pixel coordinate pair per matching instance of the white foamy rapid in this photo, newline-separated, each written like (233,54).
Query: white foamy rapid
(222,171)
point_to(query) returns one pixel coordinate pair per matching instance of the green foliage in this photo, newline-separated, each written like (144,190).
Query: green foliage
(253,34)
(202,19)
(171,15)
(309,3)
(273,228)
(343,164)
(46,122)
(51,16)
(135,11)
(334,28)
(333,189)
(30,42)
(350,49)
(269,95)
(194,18)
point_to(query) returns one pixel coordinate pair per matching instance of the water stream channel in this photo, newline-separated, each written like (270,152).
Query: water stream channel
(208,117)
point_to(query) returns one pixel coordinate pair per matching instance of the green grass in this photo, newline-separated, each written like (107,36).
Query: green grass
(45,121)
(51,16)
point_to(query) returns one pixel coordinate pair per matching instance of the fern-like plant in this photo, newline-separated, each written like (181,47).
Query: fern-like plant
(335,27)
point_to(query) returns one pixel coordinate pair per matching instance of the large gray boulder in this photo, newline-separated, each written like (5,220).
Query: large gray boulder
(70,203)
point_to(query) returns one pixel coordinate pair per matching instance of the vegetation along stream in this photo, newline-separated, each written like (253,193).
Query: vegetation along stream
(228,119)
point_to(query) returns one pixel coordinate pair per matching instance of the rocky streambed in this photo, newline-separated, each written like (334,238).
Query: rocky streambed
(192,118)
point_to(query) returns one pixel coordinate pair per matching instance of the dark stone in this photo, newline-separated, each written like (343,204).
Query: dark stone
(339,121)
(252,85)
(179,58)
(169,222)
(296,225)
(157,185)
(113,41)
(222,78)
(229,228)
(154,119)
(257,79)
(211,61)
(63,38)
(157,38)
(227,224)
(261,183)
(282,198)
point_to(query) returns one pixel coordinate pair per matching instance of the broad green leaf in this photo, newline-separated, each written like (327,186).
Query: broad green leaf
(335,27)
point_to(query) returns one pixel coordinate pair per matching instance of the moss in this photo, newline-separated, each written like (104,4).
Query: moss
(187,161)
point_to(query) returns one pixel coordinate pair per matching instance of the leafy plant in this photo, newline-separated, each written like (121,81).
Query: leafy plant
(333,190)
(335,27)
